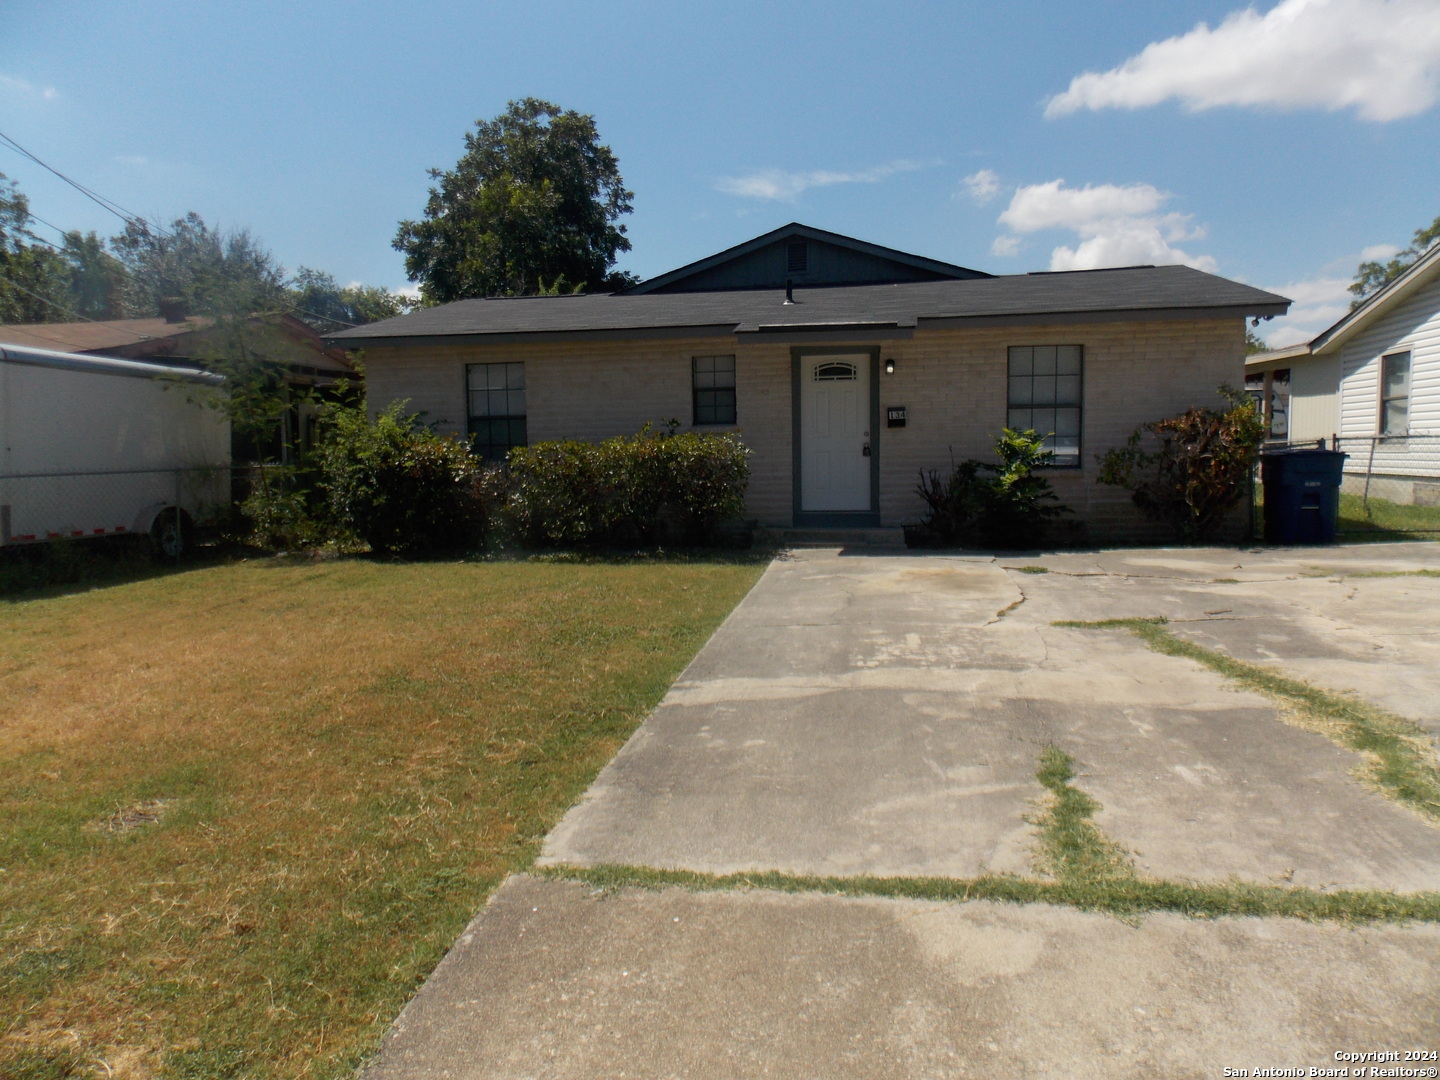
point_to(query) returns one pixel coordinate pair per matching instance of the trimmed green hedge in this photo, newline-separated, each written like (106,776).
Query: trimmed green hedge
(657,487)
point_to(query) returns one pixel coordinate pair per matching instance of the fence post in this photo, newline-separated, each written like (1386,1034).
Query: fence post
(1369,471)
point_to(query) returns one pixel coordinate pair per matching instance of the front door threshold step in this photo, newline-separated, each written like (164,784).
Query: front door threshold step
(832,537)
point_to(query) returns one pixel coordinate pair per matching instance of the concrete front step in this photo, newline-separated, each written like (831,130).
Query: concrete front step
(821,537)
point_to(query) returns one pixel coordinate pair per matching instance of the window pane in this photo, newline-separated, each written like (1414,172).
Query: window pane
(1020,390)
(1044,359)
(516,402)
(1021,360)
(725,371)
(1021,419)
(1044,421)
(1067,359)
(1044,391)
(1397,417)
(1397,375)
(1067,424)
(477,403)
(1067,390)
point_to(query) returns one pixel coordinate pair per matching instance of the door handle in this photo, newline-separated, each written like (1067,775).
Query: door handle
(866,450)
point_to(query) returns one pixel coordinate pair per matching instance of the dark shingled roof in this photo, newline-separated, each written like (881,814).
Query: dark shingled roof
(1137,292)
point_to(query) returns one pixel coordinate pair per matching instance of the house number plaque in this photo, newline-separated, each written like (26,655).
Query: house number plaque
(895,416)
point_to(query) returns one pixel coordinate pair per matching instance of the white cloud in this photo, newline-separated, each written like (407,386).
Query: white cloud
(1318,303)
(1117,225)
(982,186)
(1005,246)
(1378,57)
(28,89)
(137,160)
(787,186)
(1379,252)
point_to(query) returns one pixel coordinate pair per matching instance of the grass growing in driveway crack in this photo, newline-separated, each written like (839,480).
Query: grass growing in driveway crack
(1122,896)
(1400,756)
(1086,870)
(1072,848)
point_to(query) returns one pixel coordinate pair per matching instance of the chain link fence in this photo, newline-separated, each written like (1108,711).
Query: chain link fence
(1391,484)
(41,506)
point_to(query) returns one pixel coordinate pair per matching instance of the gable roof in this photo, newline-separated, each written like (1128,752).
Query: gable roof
(1416,276)
(762,263)
(890,311)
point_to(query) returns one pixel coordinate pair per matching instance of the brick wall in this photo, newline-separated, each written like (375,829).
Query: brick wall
(952,383)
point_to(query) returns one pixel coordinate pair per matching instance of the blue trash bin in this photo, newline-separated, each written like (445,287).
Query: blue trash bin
(1302,495)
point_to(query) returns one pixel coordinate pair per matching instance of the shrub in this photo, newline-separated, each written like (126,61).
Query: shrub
(1002,505)
(1187,472)
(396,484)
(282,509)
(651,488)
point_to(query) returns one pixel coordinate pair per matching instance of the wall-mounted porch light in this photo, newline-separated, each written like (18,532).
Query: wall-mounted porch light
(890,366)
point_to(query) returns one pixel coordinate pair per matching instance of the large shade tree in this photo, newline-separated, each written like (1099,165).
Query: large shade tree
(532,206)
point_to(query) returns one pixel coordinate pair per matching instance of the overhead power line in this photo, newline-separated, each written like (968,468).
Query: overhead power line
(127,216)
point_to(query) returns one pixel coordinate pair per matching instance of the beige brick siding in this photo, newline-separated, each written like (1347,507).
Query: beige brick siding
(952,382)
(953,385)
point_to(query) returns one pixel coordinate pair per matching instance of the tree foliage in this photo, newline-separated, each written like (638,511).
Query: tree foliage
(320,301)
(1188,471)
(1371,277)
(532,206)
(200,269)
(34,281)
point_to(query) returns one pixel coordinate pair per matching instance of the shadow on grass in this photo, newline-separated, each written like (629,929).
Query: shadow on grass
(40,571)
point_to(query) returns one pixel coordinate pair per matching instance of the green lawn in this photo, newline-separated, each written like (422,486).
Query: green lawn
(244,809)
(1387,519)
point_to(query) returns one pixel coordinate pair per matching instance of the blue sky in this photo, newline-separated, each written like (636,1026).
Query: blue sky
(1272,145)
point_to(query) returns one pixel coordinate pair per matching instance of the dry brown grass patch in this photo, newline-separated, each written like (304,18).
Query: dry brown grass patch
(244,810)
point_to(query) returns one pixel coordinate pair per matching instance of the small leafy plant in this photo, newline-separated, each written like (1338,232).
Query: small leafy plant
(1004,505)
(1188,471)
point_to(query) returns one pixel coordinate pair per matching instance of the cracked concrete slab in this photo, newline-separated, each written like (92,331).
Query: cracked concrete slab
(884,715)
(556,980)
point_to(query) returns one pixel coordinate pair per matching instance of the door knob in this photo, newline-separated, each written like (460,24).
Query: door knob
(866,450)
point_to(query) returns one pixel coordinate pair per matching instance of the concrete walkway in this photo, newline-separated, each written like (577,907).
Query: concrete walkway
(884,715)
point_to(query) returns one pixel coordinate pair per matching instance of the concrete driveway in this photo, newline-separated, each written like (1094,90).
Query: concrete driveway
(884,714)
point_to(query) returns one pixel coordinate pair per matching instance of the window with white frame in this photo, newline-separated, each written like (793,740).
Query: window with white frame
(1395,394)
(1045,395)
(713,384)
(496,395)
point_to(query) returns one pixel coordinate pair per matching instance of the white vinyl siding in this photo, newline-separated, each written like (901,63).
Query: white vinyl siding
(1412,327)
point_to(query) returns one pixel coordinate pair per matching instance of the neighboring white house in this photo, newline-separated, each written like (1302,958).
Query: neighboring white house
(1373,381)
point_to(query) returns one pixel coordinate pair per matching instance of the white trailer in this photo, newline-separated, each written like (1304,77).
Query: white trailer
(96,446)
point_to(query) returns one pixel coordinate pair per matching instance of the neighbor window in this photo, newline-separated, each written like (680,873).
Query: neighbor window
(1395,393)
(1045,396)
(713,380)
(497,408)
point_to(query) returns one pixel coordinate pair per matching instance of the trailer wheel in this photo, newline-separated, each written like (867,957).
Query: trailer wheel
(172,534)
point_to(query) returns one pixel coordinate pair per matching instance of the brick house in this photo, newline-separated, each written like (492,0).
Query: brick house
(846,367)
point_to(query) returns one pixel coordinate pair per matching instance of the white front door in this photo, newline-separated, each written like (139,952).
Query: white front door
(835,432)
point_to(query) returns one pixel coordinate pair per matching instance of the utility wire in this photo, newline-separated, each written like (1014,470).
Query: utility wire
(115,208)
(124,215)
